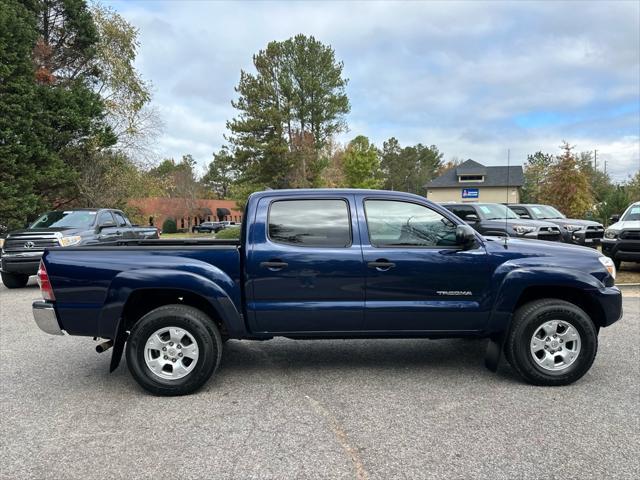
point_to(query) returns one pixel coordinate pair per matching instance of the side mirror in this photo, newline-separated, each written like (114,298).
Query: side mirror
(524,215)
(106,225)
(465,236)
(472,217)
(614,218)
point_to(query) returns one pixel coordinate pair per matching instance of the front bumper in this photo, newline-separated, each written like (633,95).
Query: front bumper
(24,262)
(587,238)
(46,318)
(610,299)
(623,250)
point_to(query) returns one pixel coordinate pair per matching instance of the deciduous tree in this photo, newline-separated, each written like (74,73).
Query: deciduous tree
(566,186)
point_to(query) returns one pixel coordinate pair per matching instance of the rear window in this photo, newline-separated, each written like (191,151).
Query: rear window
(310,223)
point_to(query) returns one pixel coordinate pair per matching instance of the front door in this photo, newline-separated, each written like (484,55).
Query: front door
(304,270)
(418,279)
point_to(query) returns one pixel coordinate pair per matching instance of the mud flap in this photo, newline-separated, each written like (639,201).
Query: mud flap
(494,352)
(118,345)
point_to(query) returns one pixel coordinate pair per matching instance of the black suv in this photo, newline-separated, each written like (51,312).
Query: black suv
(208,227)
(581,232)
(497,219)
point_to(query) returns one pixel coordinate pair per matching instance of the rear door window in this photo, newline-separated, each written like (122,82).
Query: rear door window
(310,223)
(120,220)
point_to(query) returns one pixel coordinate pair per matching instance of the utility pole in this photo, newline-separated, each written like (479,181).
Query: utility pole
(595,160)
(605,166)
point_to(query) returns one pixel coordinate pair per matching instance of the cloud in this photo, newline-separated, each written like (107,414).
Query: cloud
(474,78)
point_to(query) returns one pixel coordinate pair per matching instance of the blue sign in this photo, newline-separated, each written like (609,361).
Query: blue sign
(470,193)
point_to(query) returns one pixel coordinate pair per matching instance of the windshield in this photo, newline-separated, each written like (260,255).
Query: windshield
(546,211)
(495,211)
(69,218)
(632,213)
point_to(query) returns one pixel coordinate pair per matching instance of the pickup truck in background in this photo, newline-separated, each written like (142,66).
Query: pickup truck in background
(494,219)
(318,264)
(621,240)
(22,249)
(573,230)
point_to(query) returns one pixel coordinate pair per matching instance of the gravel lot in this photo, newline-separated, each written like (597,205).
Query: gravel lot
(325,409)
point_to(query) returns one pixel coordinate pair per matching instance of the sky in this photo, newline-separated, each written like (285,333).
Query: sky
(473,78)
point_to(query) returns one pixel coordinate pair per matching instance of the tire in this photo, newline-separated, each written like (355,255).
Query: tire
(565,362)
(166,380)
(14,280)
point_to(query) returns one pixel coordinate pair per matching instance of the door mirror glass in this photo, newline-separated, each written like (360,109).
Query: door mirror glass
(524,215)
(472,217)
(614,218)
(465,236)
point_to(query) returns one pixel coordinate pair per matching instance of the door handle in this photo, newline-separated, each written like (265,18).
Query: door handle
(381,265)
(274,265)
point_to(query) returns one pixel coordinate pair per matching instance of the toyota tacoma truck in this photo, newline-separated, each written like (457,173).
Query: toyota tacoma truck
(621,240)
(320,264)
(22,249)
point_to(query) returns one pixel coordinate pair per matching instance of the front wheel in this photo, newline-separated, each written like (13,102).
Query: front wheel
(551,342)
(14,280)
(173,350)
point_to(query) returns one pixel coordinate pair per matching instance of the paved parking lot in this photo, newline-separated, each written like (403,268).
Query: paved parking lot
(325,409)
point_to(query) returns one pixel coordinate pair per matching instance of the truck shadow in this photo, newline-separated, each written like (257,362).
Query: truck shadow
(383,355)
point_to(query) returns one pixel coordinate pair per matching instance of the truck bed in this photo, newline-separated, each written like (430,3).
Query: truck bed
(89,278)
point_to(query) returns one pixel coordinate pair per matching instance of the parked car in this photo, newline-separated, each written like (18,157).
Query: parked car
(207,227)
(621,240)
(22,249)
(331,263)
(573,230)
(228,224)
(496,219)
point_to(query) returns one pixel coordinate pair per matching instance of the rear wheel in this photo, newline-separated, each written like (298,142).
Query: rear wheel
(14,280)
(551,342)
(173,350)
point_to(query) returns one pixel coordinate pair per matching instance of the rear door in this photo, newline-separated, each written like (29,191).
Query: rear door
(304,267)
(128,233)
(417,278)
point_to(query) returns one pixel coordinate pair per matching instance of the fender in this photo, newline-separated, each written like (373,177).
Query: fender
(124,284)
(518,278)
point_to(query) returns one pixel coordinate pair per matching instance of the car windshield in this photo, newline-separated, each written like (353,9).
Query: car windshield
(546,211)
(632,213)
(495,211)
(69,218)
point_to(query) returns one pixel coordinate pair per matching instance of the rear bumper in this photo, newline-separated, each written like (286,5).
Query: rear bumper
(46,318)
(26,263)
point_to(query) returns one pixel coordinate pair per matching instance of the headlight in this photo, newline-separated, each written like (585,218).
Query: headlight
(573,228)
(611,234)
(521,229)
(68,241)
(609,265)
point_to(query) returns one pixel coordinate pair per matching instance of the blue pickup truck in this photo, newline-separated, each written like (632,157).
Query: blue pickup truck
(318,264)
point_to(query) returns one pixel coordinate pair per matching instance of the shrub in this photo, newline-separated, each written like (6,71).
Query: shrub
(169,226)
(229,233)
